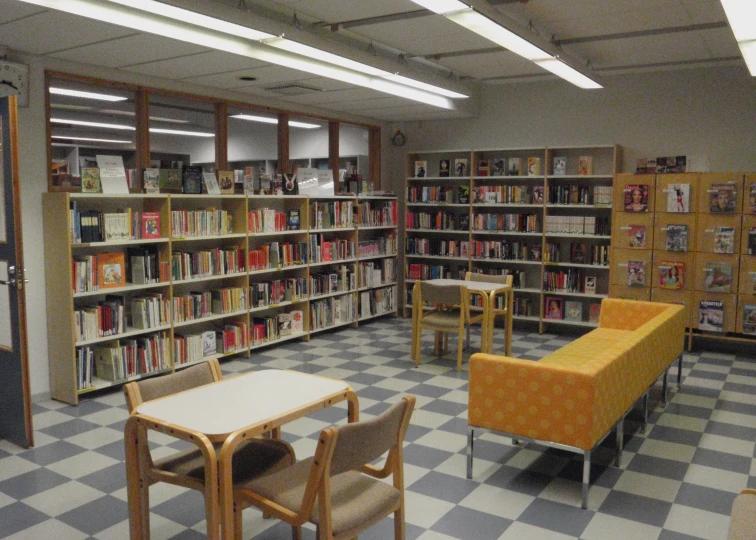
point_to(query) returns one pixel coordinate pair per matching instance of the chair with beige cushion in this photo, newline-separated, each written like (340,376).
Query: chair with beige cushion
(450,313)
(187,468)
(743,518)
(337,489)
(504,311)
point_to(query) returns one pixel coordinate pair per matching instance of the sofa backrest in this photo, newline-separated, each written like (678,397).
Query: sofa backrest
(628,314)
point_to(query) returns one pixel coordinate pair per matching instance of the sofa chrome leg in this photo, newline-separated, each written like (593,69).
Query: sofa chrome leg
(470,432)
(586,478)
(679,370)
(664,388)
(645,411)
(620,438)
(515,442)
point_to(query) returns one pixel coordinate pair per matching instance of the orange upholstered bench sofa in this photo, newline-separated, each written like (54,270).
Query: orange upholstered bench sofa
(572,398)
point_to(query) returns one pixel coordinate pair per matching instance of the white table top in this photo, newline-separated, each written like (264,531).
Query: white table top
(230,404)
(475,285)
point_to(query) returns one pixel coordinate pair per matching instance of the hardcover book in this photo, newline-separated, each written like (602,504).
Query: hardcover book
(751,199)
(749,319)
(209,344)
(636,198)
(151,179)
(722,198)
(515,166)
(421,169)
(724,240)
(534,166)
(678,198)
(636,236)
(192,180)
(537,195)
(752,240)
(443,168)
(560,165)
(718,277)
(464,222)
(636,274)
(170,181)
(585,165)
(573,311)
(297,321)
(464,194)
(711,315)
(499,167)
(290,185)
(578,253)
(553,306)
(150,225)
(226,182)
(90,180)
(594,313)
(677,237)
(111,270)
(460,167)
(671,275)
(590,285)
(293,221)
(484,167)
(210,183)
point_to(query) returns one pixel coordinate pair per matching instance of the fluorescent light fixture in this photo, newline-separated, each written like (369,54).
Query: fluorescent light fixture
(748,50)
(442,6)
(268,120)
(180,132)
(570,74)
(70,107)
(86,95)
(180,24)
(90,139)
(91,124)
(741,15)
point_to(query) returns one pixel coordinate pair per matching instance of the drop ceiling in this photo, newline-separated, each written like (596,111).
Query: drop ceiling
(607,36)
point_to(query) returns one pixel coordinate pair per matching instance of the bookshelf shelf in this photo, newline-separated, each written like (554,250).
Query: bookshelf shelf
(212,317)
(130,332)
(117,243)
(118,290)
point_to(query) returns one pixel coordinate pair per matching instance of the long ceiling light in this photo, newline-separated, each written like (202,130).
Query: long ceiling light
(86,95)
(105,125)
(467,17)
(90,139)
(191,27)
(741,15)
(268,120)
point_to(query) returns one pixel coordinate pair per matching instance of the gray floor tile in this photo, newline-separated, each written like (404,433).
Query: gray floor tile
(97,515)
(444,487)
(654,466)
(722,460)
(522,481)
(423,456)
(556,517)
(31,483)
(705,498)
(674,435)
(636,508)
(17,516)
(464,523)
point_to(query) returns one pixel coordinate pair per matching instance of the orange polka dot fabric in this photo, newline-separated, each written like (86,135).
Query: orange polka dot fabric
(576,394)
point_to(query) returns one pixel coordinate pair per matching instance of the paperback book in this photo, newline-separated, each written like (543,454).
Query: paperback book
(484,167)
(150,225)
(749,319)
(421,169)
(560,165)
(671,275)
(636,198)
(111,270)
(192,180)
(636,274)
(711,315)
(460,167)
(594,313)
(718,277)
(514,166)
(151,180)
(499,167)
(464,194)
(534,166)
(751,199)
(443,168)
(537,194)
(677,237)
(90,180)
(722,198)
(226,182)
(211,183)
(636,236)
(678,198)
(585,165)
(590,285)
(170,181)
(573,311)
(554,308)
(724,240)
(752,240)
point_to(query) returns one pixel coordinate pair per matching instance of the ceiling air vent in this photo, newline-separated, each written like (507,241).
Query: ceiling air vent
(292,89)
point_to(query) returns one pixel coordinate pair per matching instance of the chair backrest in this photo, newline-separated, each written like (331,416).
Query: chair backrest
(138,392)
(441,294)
(477,276)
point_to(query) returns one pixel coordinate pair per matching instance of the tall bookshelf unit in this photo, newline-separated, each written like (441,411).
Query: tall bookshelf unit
(242,277)
(698,256)
(522,217)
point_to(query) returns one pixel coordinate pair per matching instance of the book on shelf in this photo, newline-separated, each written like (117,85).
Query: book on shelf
(751,209)
(460,167)
(464,194)
(498,167)
(573,311)
(678,198)
(594,313)
(421,169)
(192,179)
(718,277)
(553,305)
(752,240)
(711,315)
(723,198)
(636,236)
(209,344)
(463,222)
(297,321)
(677,237)
(534,166)
(537,195)
(560,165)
(111,269)
(251,181)
(289,184)
(636,274)
(749,319)
(443,168)
(636,198)
(484,167)
(150,225)
(90,180)
(671,274)
(170,181)
(514,166)
(210,184)
(151,180)
(585,165)
(284,324)
(578,253)
(112,174)
(724,240)
(226,182)
(293,222)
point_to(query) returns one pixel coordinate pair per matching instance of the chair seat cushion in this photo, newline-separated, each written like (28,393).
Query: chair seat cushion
(743,520)
(355,498)
(252,459)
(447,319)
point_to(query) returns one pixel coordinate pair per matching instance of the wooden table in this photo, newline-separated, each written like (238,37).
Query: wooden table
(228,411)
(489,291)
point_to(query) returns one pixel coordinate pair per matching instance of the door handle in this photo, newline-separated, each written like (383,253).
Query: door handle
(11,282)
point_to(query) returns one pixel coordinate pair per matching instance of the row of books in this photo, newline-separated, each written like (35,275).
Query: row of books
(107,318)
(504,250)
(378,214)
(145,265)
(506,222)
(377,302)
(334,249)
(433,194)
(571,280)
(384,245)
(508,194)
(431,271)
(331,215)
(570,310)
(206,263)
(266,329)
(577,225)
(276,291)
(503,166)
(375,273)
(579,194)
(198,223)
(271,220)
(579,253)
(341,280)
(332,311)
(96,226)
(124,358)
(149,311)
(436,220)
(434,247)
(277,255)
(518,276)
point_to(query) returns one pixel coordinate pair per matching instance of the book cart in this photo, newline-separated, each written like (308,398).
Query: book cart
(540,214)
(223,275)
(696,249)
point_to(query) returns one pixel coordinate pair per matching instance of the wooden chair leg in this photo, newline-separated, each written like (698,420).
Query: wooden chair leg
(296,533)
(144,509)
(468,336)
(446,342)
(212,518)
(459,352)
(237,520)
(399,524)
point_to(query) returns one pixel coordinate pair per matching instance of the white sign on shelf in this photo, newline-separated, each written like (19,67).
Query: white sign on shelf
(112,174)
(315,182)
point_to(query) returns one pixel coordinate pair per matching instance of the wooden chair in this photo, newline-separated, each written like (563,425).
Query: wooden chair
(498,312)
(450,313)
(252,459)
(743,519)
(336,489)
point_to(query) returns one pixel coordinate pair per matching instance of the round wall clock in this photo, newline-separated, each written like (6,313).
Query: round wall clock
(14,80)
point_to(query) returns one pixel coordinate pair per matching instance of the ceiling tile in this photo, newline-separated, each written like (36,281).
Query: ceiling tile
(11,10)
(339,96)
(347,10)
(720,43)
(130,50)
(265,75)
(52,31)
(486,65)
(196,65)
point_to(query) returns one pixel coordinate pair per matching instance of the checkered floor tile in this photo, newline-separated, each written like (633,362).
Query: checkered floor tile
(676,481)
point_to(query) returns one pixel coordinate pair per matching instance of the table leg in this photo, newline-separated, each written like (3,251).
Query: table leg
(137,490)
(508,322)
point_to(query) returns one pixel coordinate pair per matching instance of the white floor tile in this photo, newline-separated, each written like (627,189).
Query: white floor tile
(604,526)
(82,464)
(648,486)
(729,445)
(52,528)
(697,523)
(62,498)
(522,531)
(499,502)
(716,478)
(424,511)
